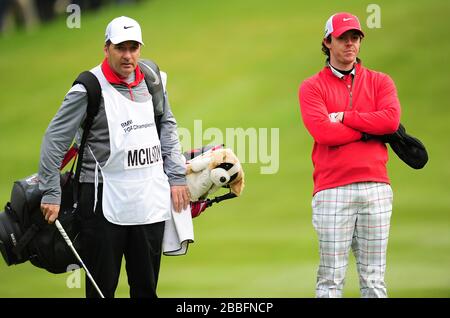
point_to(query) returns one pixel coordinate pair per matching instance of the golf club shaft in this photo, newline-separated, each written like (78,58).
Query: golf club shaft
(69,242)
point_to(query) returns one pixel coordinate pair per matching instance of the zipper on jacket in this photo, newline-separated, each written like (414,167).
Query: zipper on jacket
(350,89)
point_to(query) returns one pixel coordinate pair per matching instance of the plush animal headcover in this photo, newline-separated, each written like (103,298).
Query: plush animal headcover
(212,170)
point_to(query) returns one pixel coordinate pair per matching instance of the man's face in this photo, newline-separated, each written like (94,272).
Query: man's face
(123,57)
(345,48)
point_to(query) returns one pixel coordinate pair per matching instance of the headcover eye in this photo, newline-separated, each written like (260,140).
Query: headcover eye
(232,169)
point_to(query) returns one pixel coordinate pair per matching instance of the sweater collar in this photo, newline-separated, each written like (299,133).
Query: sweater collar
(338,74)
(114,78)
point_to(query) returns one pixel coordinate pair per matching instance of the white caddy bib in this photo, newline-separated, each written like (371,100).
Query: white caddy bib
(135,188)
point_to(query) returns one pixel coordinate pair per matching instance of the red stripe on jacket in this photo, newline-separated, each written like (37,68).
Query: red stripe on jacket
(339,157)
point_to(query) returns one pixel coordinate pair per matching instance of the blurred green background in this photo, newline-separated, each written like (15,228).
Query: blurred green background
(239,64)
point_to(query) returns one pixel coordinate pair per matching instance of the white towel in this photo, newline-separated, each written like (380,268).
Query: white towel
(178,233)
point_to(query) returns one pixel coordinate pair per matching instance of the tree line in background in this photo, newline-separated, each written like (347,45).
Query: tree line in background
(27,14)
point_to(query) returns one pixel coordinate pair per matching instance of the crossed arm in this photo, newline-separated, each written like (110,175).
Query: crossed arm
(344,127)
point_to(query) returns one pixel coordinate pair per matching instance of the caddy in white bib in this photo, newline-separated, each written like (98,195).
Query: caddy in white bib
(135,188)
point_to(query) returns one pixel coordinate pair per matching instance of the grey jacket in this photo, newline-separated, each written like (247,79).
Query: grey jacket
(65,128)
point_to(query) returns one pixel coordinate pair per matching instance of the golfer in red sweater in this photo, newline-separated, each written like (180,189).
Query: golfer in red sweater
(352,199)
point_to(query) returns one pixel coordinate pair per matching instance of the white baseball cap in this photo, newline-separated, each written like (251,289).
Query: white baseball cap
(123,29)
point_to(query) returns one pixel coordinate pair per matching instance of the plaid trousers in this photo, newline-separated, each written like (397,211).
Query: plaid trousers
(357,216)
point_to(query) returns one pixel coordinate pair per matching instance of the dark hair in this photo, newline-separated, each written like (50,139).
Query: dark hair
(326,50)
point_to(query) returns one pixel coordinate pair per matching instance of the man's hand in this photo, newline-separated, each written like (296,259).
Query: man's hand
(180,197)
(336,117)
(50,212)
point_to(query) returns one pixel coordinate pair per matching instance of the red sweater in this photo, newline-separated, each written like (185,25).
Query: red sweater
(370,104)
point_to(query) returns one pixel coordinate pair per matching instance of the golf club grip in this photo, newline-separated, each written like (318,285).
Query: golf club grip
(63,233)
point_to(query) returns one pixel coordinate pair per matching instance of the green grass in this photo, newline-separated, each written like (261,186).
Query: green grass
(239,64)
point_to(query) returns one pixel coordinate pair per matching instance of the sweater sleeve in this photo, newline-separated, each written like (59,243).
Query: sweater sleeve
(316,120)
(385,119)
(57,140)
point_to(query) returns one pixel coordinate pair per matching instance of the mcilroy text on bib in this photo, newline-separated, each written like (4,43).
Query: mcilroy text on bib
(144,156)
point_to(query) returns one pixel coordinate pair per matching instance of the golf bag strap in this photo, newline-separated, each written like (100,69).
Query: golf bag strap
(25,239)
(94,92)
(153,80)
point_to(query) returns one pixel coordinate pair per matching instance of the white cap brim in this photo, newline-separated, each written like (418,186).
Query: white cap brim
(120,39)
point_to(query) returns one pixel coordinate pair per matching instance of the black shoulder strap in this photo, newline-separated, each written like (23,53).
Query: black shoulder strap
(94,93)
(155,88)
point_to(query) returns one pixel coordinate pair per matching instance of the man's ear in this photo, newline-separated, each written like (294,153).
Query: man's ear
(140,48)
(105,50)
(327,43)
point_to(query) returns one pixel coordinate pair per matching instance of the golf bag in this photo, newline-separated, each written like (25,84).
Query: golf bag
(25,235)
